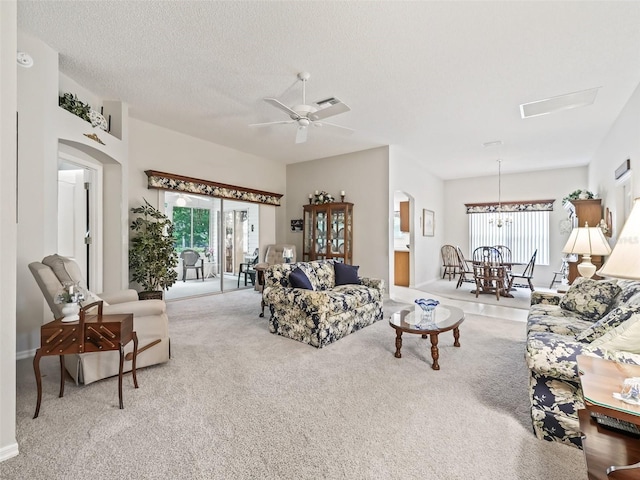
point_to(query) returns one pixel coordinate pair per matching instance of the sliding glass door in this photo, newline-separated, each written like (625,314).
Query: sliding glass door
(224,233)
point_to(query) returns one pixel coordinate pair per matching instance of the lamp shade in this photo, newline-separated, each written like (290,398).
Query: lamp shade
(624,261)
(587,241)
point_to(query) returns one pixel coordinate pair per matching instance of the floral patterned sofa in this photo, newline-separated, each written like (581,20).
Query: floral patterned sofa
(324,314)
(598,318)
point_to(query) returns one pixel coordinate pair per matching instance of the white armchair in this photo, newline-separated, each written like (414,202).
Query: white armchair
(150,321)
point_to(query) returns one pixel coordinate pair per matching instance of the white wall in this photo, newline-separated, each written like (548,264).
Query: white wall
(8,230)
(622,142)
(427,192)
(156,148)
(538,185)
(364,176)
(44,130)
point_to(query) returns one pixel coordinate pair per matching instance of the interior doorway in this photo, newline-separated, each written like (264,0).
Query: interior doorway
(402,239)
(79,216)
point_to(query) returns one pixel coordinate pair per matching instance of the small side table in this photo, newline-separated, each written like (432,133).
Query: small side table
(91,333)
(609,454)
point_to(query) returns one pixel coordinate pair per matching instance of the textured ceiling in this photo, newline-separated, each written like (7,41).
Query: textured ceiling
(433,79)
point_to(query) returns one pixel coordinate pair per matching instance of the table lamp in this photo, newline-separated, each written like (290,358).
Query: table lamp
(287,254)
(624,261)
(587,241)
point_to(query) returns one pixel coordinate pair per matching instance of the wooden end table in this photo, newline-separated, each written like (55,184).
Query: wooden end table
(444,318)
(609,454)
(91,333)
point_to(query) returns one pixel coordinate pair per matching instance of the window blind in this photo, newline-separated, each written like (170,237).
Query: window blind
(526,232)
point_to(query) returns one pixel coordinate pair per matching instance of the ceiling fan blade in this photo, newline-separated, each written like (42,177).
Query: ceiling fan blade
(301,134)
(281,106)
(333,125)
(329,108)
(271,123)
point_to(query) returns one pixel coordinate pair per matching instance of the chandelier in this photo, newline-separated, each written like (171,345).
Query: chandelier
(499,220)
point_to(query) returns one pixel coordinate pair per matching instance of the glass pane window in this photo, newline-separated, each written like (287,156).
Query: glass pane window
(191,227)
(523,233)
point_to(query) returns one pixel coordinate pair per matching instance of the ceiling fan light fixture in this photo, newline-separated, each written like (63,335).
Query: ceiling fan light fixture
(307,114)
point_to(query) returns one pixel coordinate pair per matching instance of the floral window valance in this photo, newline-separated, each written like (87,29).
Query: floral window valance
(169,181)
(526,206)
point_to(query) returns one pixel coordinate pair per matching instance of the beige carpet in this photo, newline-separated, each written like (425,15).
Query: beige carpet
(236,402)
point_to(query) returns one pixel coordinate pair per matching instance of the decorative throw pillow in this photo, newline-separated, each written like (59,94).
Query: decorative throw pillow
(346,274)
(610,321)
(625,337)
(590,298)
(298,279)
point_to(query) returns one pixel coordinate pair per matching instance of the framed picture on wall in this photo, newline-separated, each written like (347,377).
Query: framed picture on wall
(428,222)
(296,225)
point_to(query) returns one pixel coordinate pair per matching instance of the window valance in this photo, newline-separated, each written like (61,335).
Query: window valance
(524,206)
(169,181)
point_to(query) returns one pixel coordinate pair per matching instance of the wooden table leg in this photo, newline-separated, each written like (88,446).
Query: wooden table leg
(120,376)
(435,354)
(456,337)
(36,370)
(135,356)
(398,343)
(61,376)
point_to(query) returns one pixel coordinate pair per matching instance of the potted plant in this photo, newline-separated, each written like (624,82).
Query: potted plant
(152,258)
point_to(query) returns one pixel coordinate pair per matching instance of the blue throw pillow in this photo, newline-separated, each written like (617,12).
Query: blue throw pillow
(298,279)
(346,274)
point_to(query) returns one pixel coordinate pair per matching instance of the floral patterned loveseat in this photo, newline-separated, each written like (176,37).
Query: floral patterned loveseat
(598,318)
(322,315)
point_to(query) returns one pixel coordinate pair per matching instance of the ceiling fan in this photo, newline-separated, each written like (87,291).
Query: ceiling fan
(305,115)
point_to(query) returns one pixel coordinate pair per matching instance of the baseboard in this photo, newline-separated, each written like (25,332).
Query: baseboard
(26,354)
(9,451)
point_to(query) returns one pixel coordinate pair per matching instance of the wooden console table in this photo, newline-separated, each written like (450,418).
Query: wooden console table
(609,455)
(91,333)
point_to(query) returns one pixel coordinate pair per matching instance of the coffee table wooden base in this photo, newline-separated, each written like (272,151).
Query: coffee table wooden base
(444,318)
(435,353)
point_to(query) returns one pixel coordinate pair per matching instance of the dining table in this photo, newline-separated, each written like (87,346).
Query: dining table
(491,273)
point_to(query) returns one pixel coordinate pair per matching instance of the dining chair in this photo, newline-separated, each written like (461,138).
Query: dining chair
(488,271)
(464,269)
(564,268)
(191,259)
(505,252)
(527,273)
(450,263)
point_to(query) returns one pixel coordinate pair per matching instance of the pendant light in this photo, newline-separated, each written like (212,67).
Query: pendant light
(499,221)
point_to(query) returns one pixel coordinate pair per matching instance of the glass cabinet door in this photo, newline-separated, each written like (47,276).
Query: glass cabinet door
(338,233)
(321,225)
(328,232)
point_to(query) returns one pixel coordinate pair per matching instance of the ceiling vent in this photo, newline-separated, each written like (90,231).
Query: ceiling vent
(556,104)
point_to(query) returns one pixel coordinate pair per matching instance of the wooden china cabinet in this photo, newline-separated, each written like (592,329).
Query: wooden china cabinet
(328,232)
(581,211)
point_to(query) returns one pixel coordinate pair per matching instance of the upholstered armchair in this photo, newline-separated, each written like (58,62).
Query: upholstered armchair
(150,321)
(272,255)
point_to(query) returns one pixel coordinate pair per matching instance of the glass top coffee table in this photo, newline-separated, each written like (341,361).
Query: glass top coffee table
(442,319)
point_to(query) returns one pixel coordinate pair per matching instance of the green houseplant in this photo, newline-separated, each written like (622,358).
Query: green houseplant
(152,258)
